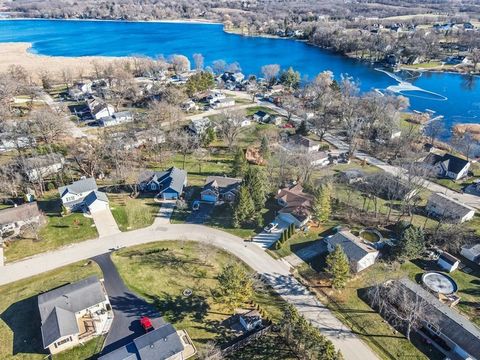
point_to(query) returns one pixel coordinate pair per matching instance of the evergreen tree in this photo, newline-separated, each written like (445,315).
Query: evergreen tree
(265,148)
(302,129)
(290,78)
(199,82)
(338,267)
(256,182)
(322,204)
(240,164)
(208,137)
(244,210)
(235,286)
(411,244)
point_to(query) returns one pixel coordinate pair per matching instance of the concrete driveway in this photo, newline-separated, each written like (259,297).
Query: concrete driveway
(165,212)
(105,223)
(201,215)
(127,307)
(266,239)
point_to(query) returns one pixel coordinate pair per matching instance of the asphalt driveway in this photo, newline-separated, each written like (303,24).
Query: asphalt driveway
(201,215)
(127,307)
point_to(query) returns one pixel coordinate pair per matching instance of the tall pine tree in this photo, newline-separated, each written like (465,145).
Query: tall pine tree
(322,204)
(244,209)
(240,164)
(411,244)
(338,267)
(256,182)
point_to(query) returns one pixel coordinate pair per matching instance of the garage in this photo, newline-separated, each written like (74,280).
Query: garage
(96,201)
(209,198)
(168,194)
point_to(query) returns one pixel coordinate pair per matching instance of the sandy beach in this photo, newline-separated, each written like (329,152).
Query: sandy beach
(18,54)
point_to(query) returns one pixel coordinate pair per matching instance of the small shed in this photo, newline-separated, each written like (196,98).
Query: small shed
(251,320)
(448,262)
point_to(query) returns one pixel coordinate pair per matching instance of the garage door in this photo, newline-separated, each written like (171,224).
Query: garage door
(209,198)
(169,196)
(98,206)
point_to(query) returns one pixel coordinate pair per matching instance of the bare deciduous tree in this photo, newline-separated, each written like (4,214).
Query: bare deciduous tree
(229,126)
(270,72)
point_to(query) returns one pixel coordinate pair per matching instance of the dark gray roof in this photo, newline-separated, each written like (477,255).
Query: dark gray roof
(172,178)
(159,344)
(56,307)
(222,184)
(452,207)
(79,186)
(352,245)
(19,213)
(94,195)
(451,162)
(453,325)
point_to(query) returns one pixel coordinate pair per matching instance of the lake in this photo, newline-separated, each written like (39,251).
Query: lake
(456,97)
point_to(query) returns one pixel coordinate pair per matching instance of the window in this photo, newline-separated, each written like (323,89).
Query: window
(64,341)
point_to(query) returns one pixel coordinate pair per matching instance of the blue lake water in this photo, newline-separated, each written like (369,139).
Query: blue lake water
(456,97)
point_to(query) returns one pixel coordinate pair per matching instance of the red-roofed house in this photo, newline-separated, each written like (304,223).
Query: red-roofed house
(297,205)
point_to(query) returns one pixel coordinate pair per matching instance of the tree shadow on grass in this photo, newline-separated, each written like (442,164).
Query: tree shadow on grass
(23,318)
(177,308)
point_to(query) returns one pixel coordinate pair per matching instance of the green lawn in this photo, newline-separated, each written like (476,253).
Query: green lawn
(368,324)
(269,346)
(252,110)
(160,273)
(133,213)
(452,185)
(57,231)
(20,336)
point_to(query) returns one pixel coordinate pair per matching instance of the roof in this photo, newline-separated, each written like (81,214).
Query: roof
(172,178)
(95,195)
(19,213)
(352,245)
(159,344)
(222,184)
(451,162)
(251,317)
(452,207)
(79,186)
(58,307)
(301,140)
(298,203)
(43,160)
(261,113)
(448,258)
(474,249)
(453,325)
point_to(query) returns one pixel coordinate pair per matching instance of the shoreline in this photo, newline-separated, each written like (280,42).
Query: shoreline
(171,21)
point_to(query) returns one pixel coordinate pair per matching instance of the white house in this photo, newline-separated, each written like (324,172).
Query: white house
(220,188)
(100,109)
(199,126)
(359,254)
(83,195)
(223,103)
(117,118)
(448,165)
(471,252)
(38,167)
(74,314)
(80,90)
(448,209)
(13,218)
(448,262)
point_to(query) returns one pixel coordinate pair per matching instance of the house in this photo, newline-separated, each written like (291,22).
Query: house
(448,262)
(162,343)
(41,166)
(199,126)
(83,195)
(250,320)
(302,142)
(100,109)
(120,117)
(471,252)
(145,137)
(351,176)
(445,326)
(169,184)
(223,103)
(359,254)
(232,77)
(261,116)
(73,314)
(8,142)
(220,188)
(296,205)
(189,105)
(213,96)
(80,90)
(13,218)
(320,158)
(446,208)
(447,165)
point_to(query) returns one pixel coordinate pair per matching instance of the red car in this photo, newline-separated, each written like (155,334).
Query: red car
(146,323)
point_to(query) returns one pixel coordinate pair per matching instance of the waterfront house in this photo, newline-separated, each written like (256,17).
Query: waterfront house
(12,219)
(448,262)
(83,195)
(74,314)
(360,254)
(471,252)
(220,188)
(296,205)
(448,209)
(447,165)
(168,184)
(38,167)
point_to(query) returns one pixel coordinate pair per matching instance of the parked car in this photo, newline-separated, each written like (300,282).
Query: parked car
(196,205)
(270,227)
(146,323)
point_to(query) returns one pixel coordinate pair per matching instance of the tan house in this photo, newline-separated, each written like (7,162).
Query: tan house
(73,314)
(297,205)
(12,219)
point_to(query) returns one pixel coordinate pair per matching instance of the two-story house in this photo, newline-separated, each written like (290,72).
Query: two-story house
(83,195)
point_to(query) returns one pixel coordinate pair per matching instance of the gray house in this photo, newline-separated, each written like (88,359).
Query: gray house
(220,188)
(168,184)
(163,343)
(73,314)
(83,195)
(447,165)
(443,207)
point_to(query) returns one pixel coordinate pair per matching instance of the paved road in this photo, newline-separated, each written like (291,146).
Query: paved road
(127,307)
(105,223)
(277,273)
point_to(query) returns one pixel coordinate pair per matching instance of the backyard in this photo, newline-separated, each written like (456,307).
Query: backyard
(161,272)
(20,335)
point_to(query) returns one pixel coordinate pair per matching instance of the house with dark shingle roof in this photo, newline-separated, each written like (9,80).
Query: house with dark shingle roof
(448,209)
(447,165)
(14,218)
(162,343)
(168,184)
(73,314)
(83,195)
(444,325)
(360,254)
(220,188)
(302,142)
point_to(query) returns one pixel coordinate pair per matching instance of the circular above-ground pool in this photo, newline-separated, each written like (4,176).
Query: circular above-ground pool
(371,235)
(439,283)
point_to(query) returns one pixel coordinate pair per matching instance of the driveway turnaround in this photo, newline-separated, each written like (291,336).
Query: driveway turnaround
(105,223)
(276,273)
(127,307)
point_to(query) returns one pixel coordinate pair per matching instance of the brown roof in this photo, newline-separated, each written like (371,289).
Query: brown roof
(297,202)
(19,213)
